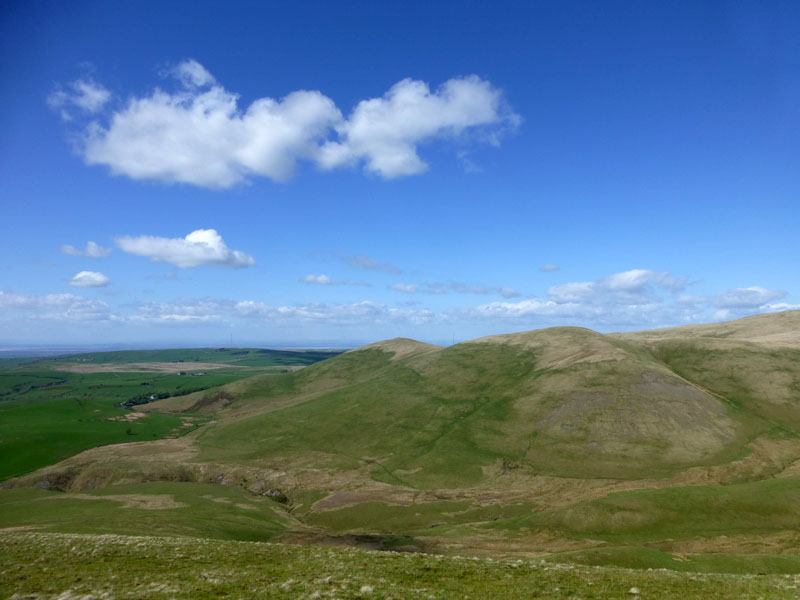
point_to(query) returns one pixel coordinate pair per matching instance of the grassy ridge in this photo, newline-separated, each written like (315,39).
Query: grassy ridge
(137,567)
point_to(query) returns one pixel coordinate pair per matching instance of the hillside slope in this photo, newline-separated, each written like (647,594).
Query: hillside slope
(563,401)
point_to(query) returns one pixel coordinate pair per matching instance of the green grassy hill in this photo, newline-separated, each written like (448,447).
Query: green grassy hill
(561,401)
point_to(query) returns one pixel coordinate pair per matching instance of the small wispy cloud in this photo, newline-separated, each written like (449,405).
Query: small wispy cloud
(203,247)
(748,297)
(548,268)
(636,286)
(83,94)
(66,307)
(362,261)
(325,280)
(406,288)
(92,250)
(89,279)
(467,163)
(456,287)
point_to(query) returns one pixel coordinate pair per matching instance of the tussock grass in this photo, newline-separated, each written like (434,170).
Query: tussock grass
(53,565)
(636,557)
(674,513)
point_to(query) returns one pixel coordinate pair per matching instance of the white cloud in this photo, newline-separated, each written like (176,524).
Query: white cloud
(92,250)
(456,287)
(634,287)
(636,280)
(406,288)
(362,261)
(192,74)
(749,297)
(325,280)
(467,163)
(385,132)
(203,247)
(639,297)
(190,312)
(185,312)
(549,268)
(199,135)
(53,306)
(89,279)
(475,288)
(602,311)
(84,94)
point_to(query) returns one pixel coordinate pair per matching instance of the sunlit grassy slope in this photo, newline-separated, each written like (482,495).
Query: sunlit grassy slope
(562,401)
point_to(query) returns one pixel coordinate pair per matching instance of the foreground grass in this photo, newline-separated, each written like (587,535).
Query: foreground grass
(38,565)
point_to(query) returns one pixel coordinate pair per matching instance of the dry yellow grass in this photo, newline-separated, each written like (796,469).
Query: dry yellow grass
(560,347)
(400,347)
(778,330)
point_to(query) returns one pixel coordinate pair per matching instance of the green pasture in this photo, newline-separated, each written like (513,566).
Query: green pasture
(47,415)
(251,357)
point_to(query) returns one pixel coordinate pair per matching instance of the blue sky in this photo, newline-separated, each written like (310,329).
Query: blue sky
(320,173)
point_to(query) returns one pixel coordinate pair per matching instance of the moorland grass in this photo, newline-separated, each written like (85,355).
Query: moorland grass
(674,513)
(389,518)
(58,565)
(159,508)
(636,557)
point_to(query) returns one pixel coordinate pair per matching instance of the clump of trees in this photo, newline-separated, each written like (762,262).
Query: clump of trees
(153,396)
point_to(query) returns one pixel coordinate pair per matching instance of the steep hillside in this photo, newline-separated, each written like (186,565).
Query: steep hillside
(753,363)
(564,401)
